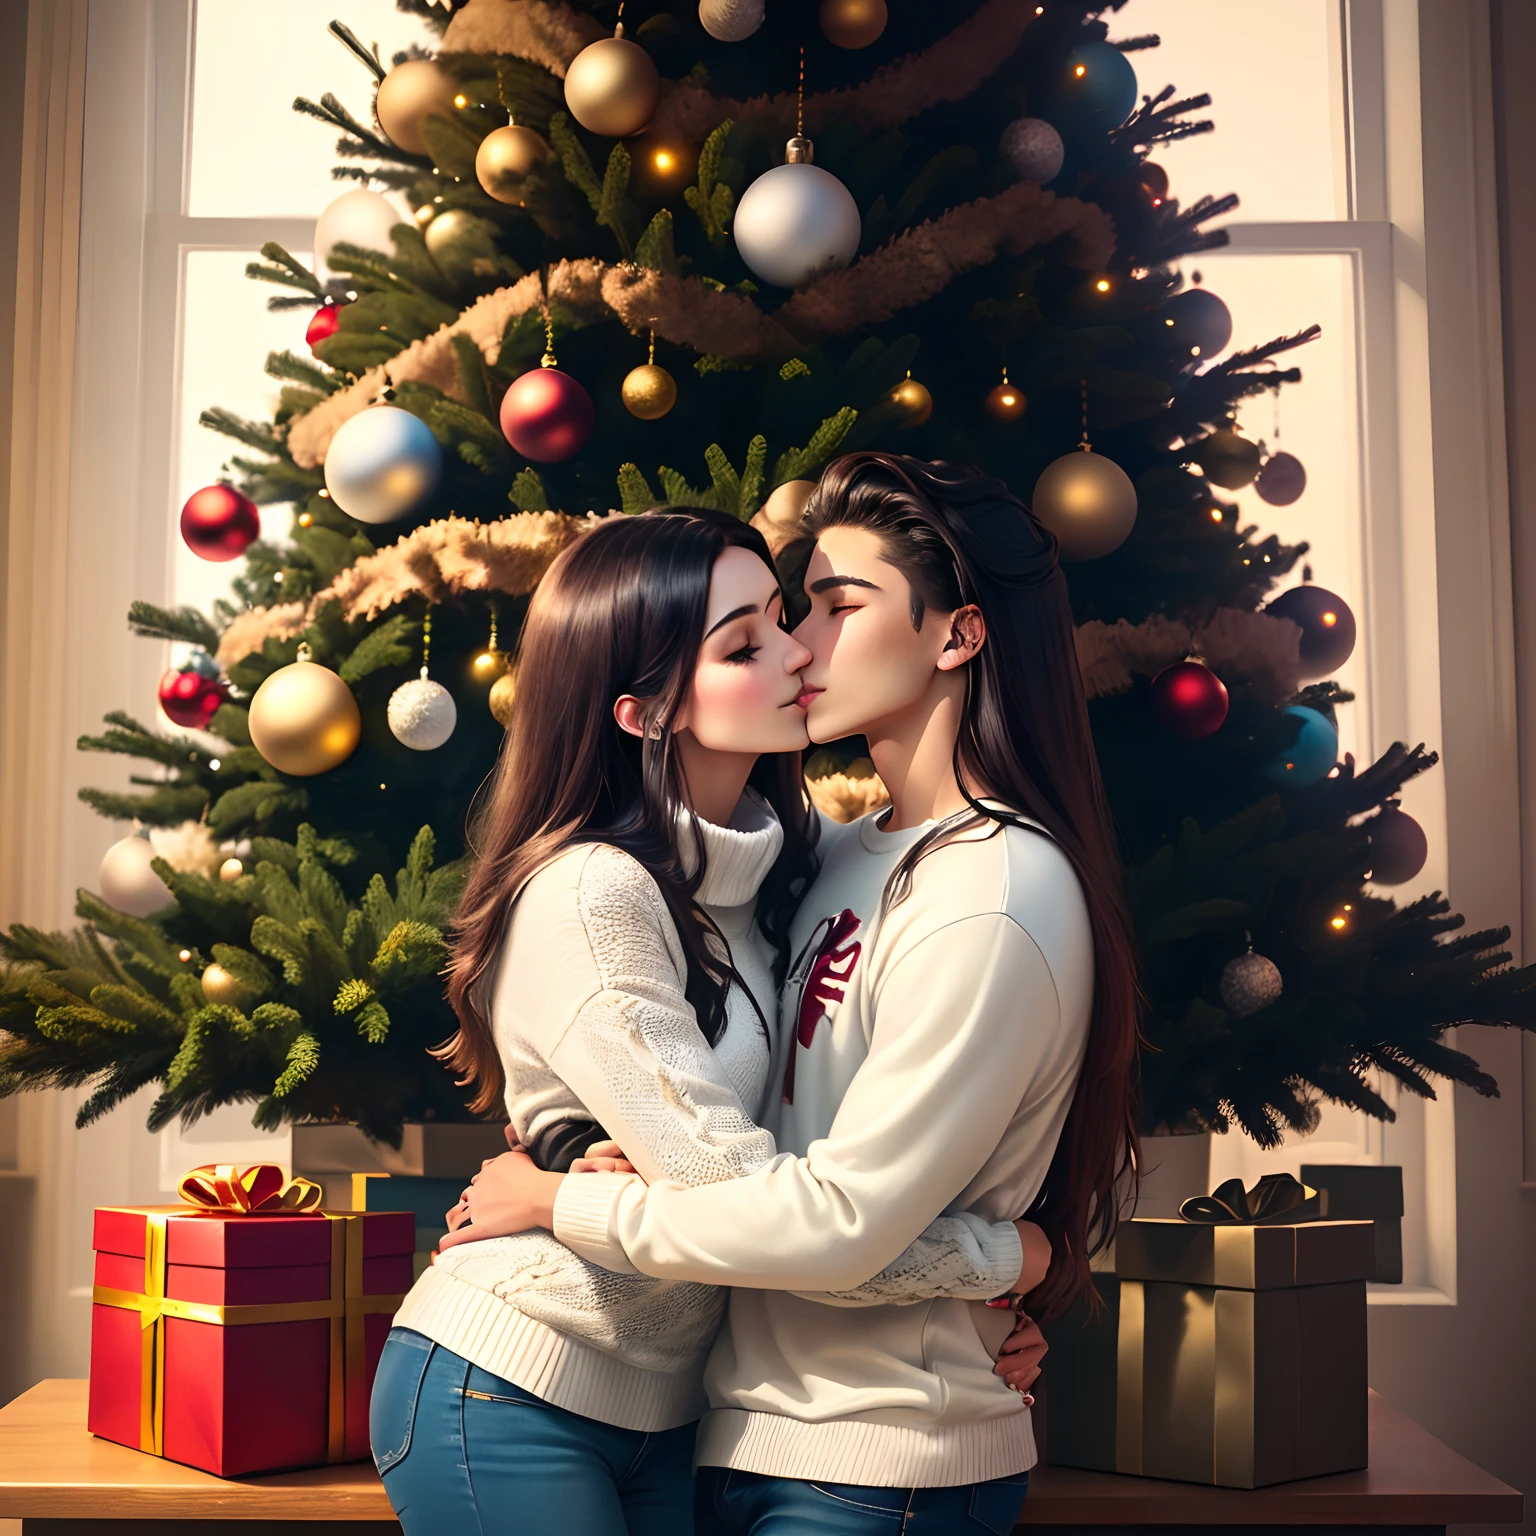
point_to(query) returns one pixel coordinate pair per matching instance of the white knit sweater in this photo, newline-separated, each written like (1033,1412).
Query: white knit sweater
(589,1015)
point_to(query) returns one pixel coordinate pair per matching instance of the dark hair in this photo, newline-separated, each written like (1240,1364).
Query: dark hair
(620,611)
(960,537)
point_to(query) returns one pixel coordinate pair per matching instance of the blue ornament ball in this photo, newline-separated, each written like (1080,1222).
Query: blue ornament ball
(1100,82)
(1201,323)
(1310,757)
(382,464)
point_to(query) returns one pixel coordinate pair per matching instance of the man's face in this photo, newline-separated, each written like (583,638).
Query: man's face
(868,663)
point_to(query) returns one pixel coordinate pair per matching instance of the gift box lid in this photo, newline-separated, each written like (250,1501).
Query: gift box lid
(1358,1190)
(1245,1257)
(221,1240)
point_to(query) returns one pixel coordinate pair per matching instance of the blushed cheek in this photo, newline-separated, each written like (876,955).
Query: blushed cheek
(726,703)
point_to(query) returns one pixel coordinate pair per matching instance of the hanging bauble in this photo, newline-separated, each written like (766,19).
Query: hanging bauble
(190,696)
(612,87)
(1327,627)
(231,869)
(1155,179)
(324,323)
(1005,401)
(1248,983)
(503,692)
(1033,148)
(407,95)
(1398,846)
(913,401)
(1227,457)
(1189,699)
(852,23)
(1200,324)
(219,986)
(304,719)
(218,523)
(382,464)
(648,392)
(731,21)
(127,882)
(1281,479)
(449,229)
(547,416)
(488,665)
(796,221)
(1088,502)
(780,519)
(359,218)
(422,714)
(1311,756)
(504,159)
(1100,83)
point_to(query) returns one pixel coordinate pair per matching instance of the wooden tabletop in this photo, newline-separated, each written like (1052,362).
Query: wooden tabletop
(50,1467)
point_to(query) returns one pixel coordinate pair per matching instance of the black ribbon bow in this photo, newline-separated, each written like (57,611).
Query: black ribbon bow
(1277,1197)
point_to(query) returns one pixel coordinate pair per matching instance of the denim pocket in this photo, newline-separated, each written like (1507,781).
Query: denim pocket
(996,1505)
(396,1391)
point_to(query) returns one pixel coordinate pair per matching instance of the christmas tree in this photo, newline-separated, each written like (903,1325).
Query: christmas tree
(671,252)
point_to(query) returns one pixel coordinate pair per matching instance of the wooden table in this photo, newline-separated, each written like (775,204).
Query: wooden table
(61,1481)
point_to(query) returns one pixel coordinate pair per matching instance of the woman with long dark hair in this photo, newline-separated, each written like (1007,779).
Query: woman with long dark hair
(961,1029)
(614,963)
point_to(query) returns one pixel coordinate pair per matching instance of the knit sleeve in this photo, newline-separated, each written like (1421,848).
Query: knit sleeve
(960,1256)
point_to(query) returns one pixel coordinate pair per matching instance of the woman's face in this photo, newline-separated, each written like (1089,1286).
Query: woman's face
(746,687)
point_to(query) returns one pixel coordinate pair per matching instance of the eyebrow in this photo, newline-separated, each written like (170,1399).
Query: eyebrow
(738,613)
(827,582)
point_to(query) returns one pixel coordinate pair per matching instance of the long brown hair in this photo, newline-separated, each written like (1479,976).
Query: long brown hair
(621,611)
(961,537)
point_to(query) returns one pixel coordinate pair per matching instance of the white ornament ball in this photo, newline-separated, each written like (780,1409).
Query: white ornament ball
(1250,982)
(360,218)
(128,883)
(731,21)
(422,714)
(1033,148)
(382,464)
(796,222)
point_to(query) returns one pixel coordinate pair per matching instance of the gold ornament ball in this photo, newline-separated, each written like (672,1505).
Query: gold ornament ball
(915,401)
(407,94)
(852,23)
(503,691)
(779,519)
(448,229)
(504,158)
(649,391)
(1006,402)
(612,87)
(489,665)
(220,987)
(231,870)
(304,720)
(1228,458)
(1088,502)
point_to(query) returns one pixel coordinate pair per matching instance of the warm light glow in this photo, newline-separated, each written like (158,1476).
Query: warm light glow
(1215,514)
(1102,285)
(1008,397)
(214,765)
(1194,351)
(1337,922)
(1330,619)
(324,493)
(1080,71)
(1348,907)
(461,100)
(305,519)
(185,955)
(663,160)
(381,786)
(1167,322)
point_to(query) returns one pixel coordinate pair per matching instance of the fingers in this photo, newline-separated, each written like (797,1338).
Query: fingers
(605,1149)
(513,1144)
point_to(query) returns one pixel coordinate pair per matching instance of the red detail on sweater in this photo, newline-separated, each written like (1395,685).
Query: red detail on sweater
(826,984)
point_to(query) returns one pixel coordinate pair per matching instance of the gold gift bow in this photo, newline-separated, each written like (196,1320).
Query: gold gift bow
(1277,1197)
(346,1307)
(257,1189)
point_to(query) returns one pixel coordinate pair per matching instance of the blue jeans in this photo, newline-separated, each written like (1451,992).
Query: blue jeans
(465,1453)
(733,1503)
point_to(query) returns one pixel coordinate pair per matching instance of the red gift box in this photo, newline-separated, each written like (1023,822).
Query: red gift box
(238,1340)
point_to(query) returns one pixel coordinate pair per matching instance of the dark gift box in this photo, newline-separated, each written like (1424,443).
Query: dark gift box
(1231,1355)
(1364,1192)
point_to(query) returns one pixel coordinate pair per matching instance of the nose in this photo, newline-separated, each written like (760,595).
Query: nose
(796,656)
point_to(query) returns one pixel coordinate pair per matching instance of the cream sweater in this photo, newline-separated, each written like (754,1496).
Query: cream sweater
(588,1009)
(928,1067)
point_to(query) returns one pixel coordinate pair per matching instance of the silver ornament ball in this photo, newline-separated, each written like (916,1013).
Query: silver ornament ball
(731,21)
(127,882)
(1033,148)
(382,464)
(796,222)
(1248,983)
(422,714)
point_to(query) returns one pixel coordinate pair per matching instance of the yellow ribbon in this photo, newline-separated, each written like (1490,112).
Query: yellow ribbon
(257,1189)
(346,1307)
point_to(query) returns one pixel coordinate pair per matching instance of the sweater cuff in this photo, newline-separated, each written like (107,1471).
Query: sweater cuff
(585,1211)
(1002,1251)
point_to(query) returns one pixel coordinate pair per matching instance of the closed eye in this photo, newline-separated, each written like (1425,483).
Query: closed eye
(742,657)
(843,607)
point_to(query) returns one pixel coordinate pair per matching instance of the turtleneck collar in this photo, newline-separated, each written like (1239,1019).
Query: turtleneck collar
(736,856)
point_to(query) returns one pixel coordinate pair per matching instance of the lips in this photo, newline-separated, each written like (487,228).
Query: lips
(806,695)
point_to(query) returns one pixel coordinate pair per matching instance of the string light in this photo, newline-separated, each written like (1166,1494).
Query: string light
(214,764)
(1102,285)
(1080,71)
(185,956)
(305,519)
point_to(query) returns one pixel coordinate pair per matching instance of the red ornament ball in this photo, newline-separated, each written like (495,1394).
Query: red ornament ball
(547,416)
(324,322)
(1155,179)
(1398,846)
(1190,700)
(218,523)
(1281,480)
(190,696)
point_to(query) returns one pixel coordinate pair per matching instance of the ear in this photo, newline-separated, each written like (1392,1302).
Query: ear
(967,635)
(629,712)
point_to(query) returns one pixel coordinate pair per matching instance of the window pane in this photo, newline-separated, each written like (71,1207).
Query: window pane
(1266,67)
(251,153)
